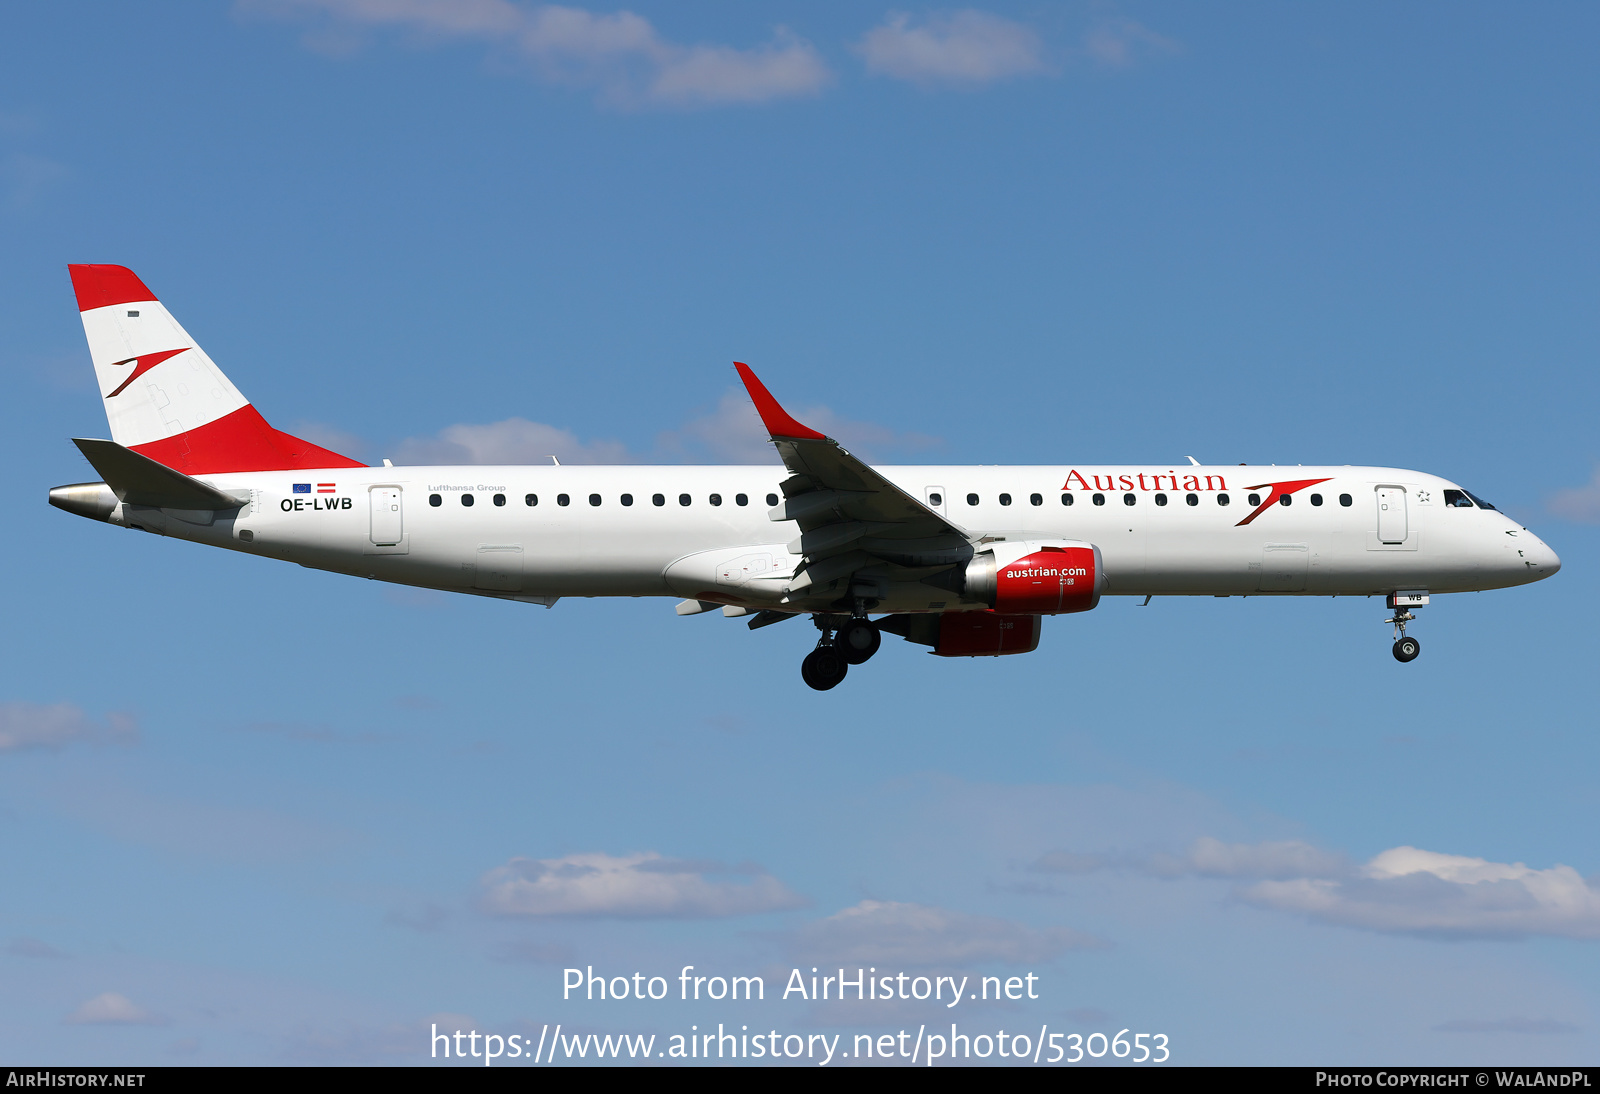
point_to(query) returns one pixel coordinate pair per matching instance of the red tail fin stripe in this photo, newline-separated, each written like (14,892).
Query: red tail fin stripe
(241,441)
(102,286)
(142,365)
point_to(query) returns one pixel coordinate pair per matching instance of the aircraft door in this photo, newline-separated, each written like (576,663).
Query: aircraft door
(934,498)
(388,518)
(1392,524)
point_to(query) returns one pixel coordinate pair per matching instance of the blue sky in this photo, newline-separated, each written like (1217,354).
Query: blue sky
(252,814)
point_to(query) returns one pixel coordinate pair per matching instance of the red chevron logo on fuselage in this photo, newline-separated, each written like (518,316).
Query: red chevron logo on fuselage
(142,365)
(1279,490)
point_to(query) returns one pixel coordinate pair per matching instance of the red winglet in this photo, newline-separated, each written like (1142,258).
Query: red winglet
(773,416)
(102,286)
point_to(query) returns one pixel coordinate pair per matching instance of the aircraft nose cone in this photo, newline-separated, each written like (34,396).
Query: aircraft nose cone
(1535,556)
(1546,560)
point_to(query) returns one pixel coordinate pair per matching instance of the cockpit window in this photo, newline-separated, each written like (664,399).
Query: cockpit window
(1481,503)
(1457,499)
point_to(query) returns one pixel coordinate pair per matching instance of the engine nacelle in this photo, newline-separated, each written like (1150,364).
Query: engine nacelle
(1036,577)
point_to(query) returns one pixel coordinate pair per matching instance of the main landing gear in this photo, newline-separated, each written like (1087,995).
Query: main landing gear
(1405,648)
(844,642)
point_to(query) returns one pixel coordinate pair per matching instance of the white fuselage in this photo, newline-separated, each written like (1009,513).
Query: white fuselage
(1393,531)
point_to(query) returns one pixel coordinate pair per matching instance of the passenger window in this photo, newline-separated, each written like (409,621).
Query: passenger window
(1066,499)
(1457,499)
(658,499)
(741,499)
(1161,499)
(1128,499)
(1316,499)
(1099,499)
(935,499)
(772,499)
(563,499)
(530,500)
(1284,499)
(1005,499)
(1344,500)
(715,499)
(594,499)
(435,500)
(1035,499)
(683,499)
(1192,499)
(499,499)
(1222,499)
(467,499)
(1254,499)
(626,499)
(972,499)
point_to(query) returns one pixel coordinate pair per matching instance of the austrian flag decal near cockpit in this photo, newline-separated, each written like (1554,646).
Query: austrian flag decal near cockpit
(1279,490)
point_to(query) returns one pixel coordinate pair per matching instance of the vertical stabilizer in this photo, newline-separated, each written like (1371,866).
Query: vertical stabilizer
(164,397)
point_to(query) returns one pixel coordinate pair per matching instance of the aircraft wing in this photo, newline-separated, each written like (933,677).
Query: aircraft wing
(852,520)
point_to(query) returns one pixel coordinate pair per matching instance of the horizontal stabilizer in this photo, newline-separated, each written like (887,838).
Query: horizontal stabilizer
(139,480)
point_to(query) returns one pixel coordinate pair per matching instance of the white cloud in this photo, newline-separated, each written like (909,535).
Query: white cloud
(38,726)
(1404,890)
(1411,891)
(515,440)
(730,433)
(620,54)
(877,932)
(785,68)
(1209,857)
(111,1009)
(643,885)
(332,438)
(1580,503)
(1118,43)
(965,47)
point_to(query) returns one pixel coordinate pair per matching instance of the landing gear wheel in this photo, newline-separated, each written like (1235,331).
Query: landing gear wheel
(1406,649)
(823,668)
(858,641)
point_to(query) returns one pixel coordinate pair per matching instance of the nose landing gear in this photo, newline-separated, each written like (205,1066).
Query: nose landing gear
(1405,649)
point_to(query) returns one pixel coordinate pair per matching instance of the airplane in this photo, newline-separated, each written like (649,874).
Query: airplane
(965,560)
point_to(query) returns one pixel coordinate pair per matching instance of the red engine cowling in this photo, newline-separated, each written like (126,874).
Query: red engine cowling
(986,634)
(1048,581)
